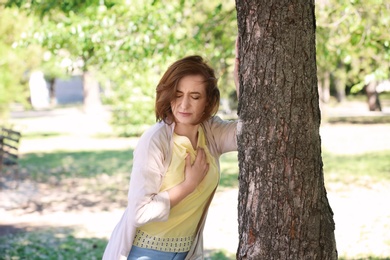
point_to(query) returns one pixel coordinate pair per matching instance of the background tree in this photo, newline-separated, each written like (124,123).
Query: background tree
(130,45)
(353,47)
(14,63)
(125,46)
(283,209)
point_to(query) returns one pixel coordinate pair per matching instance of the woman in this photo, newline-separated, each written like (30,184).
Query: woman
(176,168)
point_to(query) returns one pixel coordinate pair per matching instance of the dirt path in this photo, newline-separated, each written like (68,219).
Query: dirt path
(362,214)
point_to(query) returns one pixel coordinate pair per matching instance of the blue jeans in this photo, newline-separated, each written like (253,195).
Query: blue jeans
(139,253)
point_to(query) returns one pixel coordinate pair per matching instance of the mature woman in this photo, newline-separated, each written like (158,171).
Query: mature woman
(176,168)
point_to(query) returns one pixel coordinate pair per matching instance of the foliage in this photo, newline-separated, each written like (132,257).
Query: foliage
(131,44)
(353,41)
(159,33)
(14,64)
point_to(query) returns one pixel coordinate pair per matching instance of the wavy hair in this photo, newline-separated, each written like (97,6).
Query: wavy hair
(166,88)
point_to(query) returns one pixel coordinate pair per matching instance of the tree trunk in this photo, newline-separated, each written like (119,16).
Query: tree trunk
(340,82)
(324,93)
(283,210)
(92,101)
(324,88)
(52,92)
(373,97)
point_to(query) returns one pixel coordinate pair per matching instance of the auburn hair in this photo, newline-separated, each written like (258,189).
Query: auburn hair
(167,87)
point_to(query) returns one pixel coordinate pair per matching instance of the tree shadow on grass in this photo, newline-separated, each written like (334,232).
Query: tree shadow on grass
(10,229)
(50,243)
(68,181)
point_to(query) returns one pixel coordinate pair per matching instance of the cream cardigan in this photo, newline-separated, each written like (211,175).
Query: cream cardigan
(151,160)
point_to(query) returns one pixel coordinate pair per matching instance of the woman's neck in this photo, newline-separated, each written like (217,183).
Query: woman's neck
(190,131)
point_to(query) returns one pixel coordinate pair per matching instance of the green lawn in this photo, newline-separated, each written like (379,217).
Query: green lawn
(360,169)
(53,244)
(76,164)
(90,165)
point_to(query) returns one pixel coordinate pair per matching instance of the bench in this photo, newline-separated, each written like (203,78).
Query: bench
(9,143)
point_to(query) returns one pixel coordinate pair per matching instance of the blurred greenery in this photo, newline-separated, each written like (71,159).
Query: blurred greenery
(127,45)
(353,47)
(13,62)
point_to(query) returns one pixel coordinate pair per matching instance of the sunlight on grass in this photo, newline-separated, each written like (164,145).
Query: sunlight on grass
(373,166)
(229,170)
(368,167)
(80,164)
(343,169)
(40,135)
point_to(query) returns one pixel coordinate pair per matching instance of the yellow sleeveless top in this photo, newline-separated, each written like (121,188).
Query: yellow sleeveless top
(177,233)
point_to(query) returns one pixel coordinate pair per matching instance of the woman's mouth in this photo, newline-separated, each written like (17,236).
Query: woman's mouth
(184,114)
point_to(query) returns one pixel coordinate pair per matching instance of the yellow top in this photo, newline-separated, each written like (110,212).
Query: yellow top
(177,233)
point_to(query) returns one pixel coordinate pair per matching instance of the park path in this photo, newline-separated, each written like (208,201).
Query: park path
(362,214)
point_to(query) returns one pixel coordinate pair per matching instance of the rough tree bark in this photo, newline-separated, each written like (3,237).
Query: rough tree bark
(283,208)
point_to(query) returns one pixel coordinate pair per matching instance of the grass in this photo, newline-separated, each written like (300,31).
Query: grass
(77,164)
(62,244)
(91,165)
(229,170)
(380,119)
(39,135)
(371,167)
(368,167)
(55,244)
(61,165)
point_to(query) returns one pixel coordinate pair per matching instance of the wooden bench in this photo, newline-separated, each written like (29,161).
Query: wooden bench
(9,143)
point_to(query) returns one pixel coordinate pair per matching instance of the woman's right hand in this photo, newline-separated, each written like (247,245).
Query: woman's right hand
(194,174)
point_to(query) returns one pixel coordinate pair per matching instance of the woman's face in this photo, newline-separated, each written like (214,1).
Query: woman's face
(190,101)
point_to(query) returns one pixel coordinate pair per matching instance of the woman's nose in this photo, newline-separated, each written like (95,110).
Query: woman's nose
(185,102)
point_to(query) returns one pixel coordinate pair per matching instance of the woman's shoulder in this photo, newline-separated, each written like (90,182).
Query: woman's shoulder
(216,121)
(158,133)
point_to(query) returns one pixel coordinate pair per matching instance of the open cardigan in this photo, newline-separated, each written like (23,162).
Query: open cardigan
(150,163)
